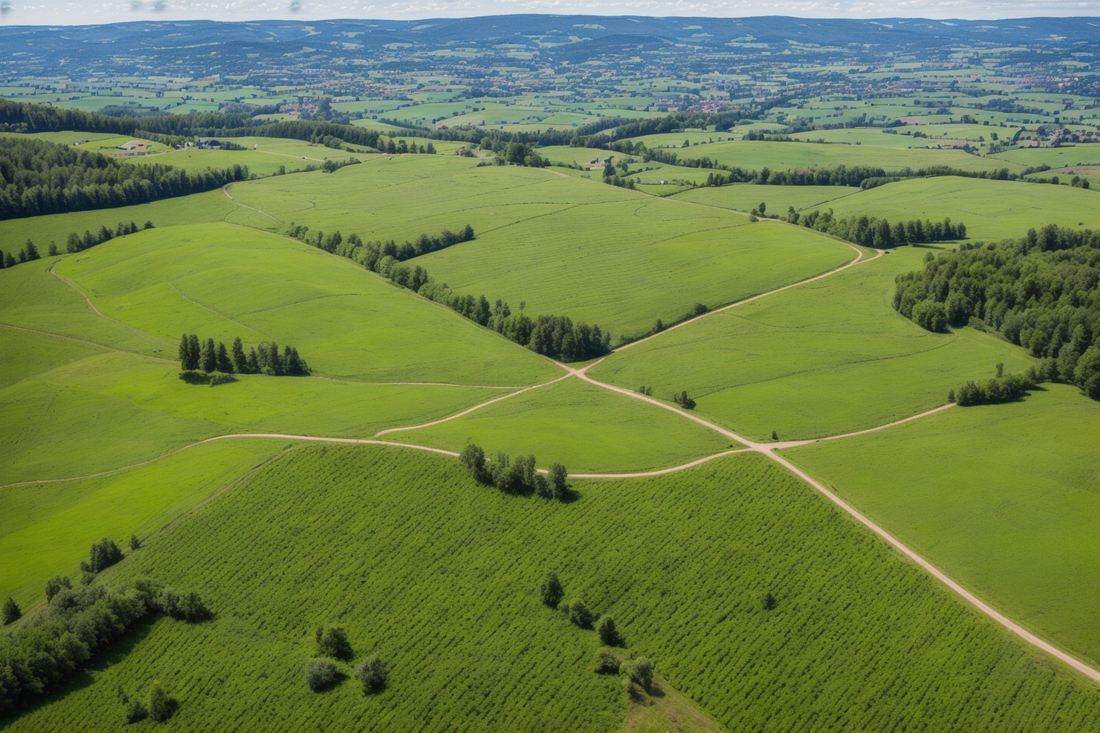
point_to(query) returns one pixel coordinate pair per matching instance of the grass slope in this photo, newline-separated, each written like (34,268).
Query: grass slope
(45,529)
(747,196)
(594,252)
(825,358)
(435,574)
(222,281)
(1012,519)
(990,209)
(588,428)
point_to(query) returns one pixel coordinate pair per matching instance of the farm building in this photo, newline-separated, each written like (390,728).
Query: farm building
(134,146)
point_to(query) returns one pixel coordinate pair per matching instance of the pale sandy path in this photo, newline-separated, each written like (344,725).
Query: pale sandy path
(225,190)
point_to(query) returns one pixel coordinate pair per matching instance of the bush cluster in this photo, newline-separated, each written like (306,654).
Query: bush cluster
(322,673)
(208,357)
(58,641)
(516,475)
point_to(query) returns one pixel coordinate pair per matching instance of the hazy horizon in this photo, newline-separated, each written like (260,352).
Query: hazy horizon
(117,11)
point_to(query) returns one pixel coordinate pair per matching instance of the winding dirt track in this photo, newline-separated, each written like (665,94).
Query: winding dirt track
(767,449)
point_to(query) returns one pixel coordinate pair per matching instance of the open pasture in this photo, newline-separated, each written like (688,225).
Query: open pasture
(1072,155)
(594,252)
(991,210)
(748,196)
(46,529)
(223,281)
(1013,519)
(825,358)
(265,160)
(431,566)
(585,427)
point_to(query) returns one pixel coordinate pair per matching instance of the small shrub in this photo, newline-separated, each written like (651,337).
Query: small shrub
(320,673)
(551,590)
(372,673)
(135,543)
(136,712)
(333,642)
(639,671)
(104,554)
(11,611)
(608,634)
(579,613)
(161,705)
(607,662)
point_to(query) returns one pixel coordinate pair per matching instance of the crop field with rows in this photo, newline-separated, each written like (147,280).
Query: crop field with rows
(436,575)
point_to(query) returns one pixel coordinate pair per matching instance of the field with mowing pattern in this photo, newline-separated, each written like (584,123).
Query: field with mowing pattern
(825,358)
(436,575)
(1013,521)
(594,252)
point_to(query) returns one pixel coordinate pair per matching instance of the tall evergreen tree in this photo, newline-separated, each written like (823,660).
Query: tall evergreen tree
(240,361)
(194,350)
(209,358)
(185,352)
(11,612)
(224,365)
(253,361)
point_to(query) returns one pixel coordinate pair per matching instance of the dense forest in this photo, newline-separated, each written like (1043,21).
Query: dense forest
(1041,292)
(38,177)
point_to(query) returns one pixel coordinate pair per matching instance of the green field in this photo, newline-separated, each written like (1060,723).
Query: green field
(756,155)
(594,252)
(588,428)
(224,281)
(747,196)
(990,209)
(825,358)
(1013,521)
(435,574)
(45,529)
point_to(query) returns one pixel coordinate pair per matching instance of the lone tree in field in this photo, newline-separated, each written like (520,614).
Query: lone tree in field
(160,705)
(135,543)
(10,612)
(579,613)
(609,635)
(559,481)
(769,601)
(372,673)
(551,590)
(640,671)
(775,435)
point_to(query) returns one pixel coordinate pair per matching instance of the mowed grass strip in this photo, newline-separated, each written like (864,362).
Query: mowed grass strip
(825,358)
(1003,498)
(597,253)
(437,575)
(46,529)
(586,427)
(220,281)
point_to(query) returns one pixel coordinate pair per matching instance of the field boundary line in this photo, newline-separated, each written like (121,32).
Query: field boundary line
(225,190)
(663,471)
(73,285)
(472,409)
(952,585)
(83,341)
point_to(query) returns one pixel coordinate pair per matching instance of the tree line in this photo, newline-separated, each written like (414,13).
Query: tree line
(264,358)
(77,624)
(75,243)
(39,177)
(1002,388)
(557,337)
(1041,291)
(870,231)
(515,475)
(369,254)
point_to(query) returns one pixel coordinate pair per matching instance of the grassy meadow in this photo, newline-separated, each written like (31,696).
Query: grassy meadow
(594,252)
(1013,521)
(588,428)
(436,575)
(825,358)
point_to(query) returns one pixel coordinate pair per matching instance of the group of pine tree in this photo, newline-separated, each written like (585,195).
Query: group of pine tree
(75,243)
(39,177)
(557,337)
(1041,292)
(264,358)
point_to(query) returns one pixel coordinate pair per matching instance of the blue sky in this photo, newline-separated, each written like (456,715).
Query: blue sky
(46,12)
